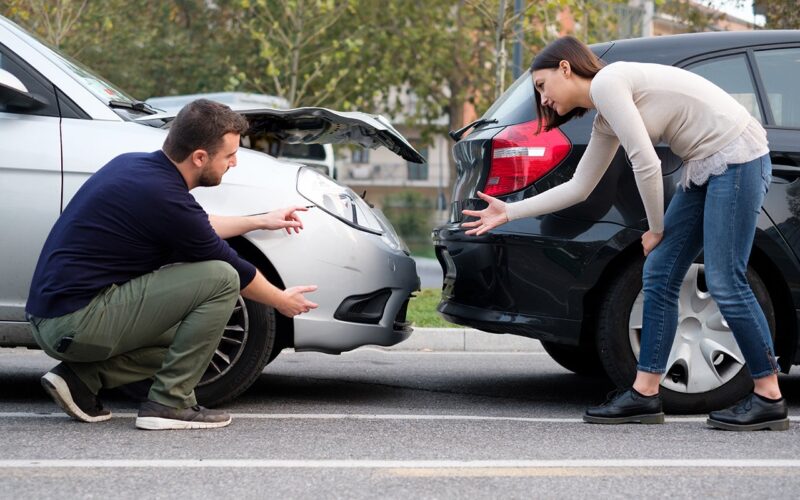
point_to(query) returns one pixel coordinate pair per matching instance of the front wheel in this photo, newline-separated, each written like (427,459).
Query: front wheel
(244,350)
(705,369)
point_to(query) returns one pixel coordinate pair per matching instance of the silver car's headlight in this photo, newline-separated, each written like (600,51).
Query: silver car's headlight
(339,201)
(390,236)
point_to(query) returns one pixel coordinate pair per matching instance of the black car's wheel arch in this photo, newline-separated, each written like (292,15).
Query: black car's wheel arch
(786,338)
(593,298)
(284,325)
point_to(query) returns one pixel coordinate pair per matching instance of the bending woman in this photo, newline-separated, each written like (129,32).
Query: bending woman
(727,171)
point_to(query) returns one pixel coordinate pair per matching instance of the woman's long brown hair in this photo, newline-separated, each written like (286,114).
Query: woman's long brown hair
(583,63)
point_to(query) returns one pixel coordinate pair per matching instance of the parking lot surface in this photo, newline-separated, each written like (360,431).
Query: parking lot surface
(389,424)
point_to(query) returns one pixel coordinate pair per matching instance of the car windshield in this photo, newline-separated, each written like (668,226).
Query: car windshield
(99,87)
(104,90)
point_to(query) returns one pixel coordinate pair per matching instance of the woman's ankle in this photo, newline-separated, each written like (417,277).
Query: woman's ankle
(646,383)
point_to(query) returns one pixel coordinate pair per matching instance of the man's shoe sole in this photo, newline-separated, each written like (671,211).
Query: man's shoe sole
(58,389)
(772,425)
(163,424)
(653,418)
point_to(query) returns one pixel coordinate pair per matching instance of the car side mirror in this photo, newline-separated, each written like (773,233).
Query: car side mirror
(14,96)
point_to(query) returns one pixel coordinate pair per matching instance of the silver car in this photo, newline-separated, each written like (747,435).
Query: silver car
(59,123)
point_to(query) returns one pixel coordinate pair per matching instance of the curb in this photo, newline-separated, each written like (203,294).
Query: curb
(465,340)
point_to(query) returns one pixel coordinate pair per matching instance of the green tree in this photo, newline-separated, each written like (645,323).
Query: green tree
(445,52)
(304,50)
(780,14)
(695,16)
(148,48)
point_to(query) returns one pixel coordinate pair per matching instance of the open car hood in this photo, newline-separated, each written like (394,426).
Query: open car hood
(323,126)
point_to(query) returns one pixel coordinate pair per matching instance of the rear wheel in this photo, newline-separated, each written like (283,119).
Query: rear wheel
(705,368)
(246,347)
(581,359)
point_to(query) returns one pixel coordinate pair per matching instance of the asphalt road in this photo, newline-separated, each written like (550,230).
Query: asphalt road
(398,424)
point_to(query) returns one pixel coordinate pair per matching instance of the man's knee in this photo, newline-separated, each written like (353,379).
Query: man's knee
(222,272)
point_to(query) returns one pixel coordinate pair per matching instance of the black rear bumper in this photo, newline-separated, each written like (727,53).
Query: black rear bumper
(558,330)
(528,280)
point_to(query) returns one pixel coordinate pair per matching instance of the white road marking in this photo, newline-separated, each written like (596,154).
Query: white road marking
(433,352)
(370,416)
(403,464)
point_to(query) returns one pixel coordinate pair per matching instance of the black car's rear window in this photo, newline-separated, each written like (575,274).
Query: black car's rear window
(516,104)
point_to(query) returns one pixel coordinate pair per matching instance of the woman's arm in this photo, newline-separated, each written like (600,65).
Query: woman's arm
(613,97)
(591,167)
(593,164)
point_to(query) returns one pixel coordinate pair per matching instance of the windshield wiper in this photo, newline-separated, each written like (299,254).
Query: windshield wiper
(140,106)
(456,134)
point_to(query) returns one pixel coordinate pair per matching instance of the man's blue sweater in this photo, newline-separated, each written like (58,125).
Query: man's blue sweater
(130,218)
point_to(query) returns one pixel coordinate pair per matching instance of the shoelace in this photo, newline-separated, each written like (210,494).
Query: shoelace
(744,405)
(611,396)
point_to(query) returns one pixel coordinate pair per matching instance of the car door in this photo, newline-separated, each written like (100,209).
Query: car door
(30,183)
(764,80)
(778,73)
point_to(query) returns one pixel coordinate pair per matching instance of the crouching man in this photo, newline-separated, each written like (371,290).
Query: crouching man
(135,280)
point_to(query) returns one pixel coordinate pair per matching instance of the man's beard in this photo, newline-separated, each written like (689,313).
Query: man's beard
(207,178)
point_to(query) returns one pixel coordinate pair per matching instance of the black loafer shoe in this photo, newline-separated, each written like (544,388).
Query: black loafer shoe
(753,413)
(627,407)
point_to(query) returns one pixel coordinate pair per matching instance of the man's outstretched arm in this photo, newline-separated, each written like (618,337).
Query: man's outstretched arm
(227,226)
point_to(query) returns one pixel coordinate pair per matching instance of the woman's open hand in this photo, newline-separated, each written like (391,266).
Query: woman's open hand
(489,218)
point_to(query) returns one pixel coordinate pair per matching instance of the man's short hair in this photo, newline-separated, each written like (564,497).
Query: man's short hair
(201,124)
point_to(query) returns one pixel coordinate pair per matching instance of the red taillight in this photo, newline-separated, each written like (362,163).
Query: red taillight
(520,157)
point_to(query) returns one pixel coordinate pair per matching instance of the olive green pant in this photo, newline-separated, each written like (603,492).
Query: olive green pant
(166,325)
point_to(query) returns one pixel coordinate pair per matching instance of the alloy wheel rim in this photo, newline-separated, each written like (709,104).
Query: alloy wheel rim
(231,345)
(704,355)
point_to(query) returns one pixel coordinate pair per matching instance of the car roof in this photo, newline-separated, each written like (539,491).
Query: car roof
(671,49)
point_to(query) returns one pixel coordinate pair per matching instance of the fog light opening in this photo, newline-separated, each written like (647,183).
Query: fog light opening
(366,308)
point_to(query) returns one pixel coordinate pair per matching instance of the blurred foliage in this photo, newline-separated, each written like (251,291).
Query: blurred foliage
(781,14)
(410,213)
(147,48)
(696,16)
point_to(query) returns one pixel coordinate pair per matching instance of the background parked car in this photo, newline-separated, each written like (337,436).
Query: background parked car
(59,123)
(573,278)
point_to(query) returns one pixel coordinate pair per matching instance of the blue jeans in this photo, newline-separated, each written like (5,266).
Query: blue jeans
(718,218)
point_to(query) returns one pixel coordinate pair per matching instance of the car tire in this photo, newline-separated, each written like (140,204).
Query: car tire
(579,359)
(617,344)
(246,347)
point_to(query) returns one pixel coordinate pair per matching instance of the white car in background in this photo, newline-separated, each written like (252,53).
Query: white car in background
(317,156)
(59,123)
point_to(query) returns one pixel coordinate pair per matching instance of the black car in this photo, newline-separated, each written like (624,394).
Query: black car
(573,278)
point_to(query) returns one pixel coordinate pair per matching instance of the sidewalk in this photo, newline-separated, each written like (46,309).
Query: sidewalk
(465,339)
